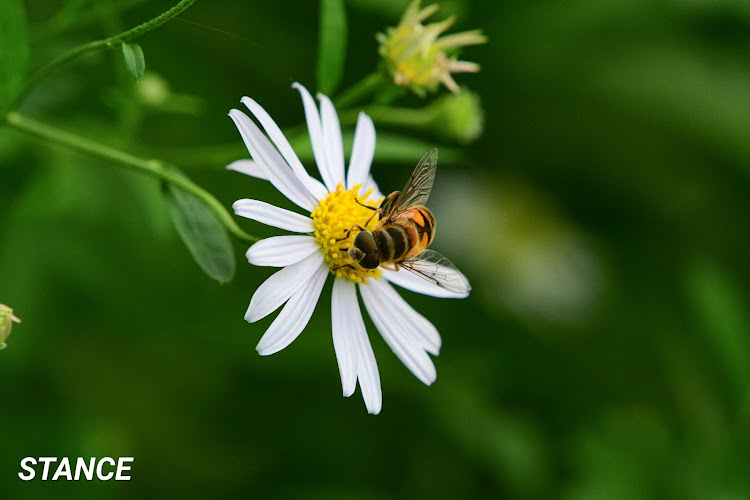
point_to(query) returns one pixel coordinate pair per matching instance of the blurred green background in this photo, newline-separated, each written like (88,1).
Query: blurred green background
(602,219)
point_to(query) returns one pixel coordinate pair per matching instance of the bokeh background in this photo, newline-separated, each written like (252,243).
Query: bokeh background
(602,218)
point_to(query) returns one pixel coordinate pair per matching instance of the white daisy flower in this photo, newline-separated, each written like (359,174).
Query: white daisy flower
(306,260)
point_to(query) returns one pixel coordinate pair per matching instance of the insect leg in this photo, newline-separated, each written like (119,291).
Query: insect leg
(366,206)
(377,212)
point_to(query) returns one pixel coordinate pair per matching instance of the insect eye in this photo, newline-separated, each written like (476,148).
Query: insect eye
(356,254)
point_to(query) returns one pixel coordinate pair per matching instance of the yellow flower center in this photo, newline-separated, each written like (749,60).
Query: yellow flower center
(333,217)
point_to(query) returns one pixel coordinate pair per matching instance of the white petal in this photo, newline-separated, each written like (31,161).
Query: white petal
(352,346)
(281,251)
(390,325)
(367,371)
(411,281)
(363,151)
(419,328)
(345,319)
(277,136)
(333,144)
(272,215)
(280,286)
(295,315)
(247,167)
(315,129)
(271,163)
(369,378)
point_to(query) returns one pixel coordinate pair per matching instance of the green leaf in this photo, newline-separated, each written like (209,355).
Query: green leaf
(203,234)
(332,45)
(720,307)
(134,59)
(14,50)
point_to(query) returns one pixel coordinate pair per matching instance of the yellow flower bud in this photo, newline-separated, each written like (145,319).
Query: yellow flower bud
(6,323)
(418,58)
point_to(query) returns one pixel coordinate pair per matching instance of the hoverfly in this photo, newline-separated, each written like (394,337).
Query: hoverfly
(404,230)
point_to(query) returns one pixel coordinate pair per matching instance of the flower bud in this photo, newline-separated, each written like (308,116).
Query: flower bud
(417,56)
(458,117)
(153,89)
(6,323)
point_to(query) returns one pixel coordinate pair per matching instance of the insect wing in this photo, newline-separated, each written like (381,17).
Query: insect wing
(437,269)
(418,188)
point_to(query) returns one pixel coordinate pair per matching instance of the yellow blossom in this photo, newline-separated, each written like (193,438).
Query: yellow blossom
(419,58)
(6,323)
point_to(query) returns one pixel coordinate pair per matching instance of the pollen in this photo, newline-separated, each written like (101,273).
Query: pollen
(333,217)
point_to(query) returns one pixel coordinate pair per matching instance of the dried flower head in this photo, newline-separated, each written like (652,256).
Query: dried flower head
(419,58)
(6,323)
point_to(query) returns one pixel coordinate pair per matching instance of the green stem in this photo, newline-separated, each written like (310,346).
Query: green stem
(404,117)
(387,115)
(363,88)
(99,44)
(151,167)
(72,16)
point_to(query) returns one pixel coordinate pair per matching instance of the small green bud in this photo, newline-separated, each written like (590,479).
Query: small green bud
(153,89)
(6,323)
(458,117)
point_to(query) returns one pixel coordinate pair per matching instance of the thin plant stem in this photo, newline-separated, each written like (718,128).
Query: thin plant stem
(151,167)
(99,44)
(363,88)
(387,115)
(69,17)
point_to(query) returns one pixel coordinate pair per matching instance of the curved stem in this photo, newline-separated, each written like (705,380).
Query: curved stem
(363,88)
(151,167)
(70,17)
(386,115)
(98,44)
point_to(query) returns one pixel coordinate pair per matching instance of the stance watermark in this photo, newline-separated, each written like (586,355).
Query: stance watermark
(103,469)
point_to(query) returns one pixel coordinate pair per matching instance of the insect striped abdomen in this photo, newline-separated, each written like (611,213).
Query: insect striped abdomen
(383,240)
(425,223)
(399,242)
(393,242)
(420,226)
